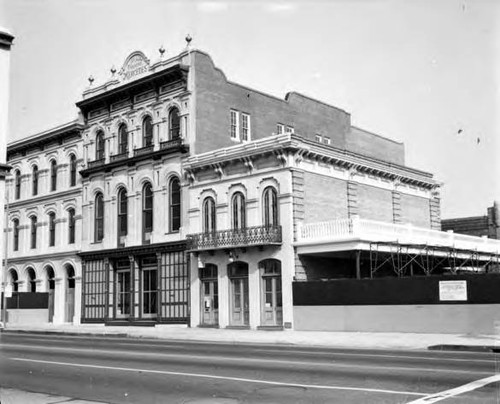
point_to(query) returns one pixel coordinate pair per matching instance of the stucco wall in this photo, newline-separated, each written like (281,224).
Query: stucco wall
(452,318)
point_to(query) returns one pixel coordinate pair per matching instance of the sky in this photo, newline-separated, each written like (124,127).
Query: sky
(423,72)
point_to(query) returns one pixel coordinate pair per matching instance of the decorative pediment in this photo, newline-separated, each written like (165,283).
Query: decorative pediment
(136,64)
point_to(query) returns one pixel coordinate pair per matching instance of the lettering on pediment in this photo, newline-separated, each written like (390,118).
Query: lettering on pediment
(136,64)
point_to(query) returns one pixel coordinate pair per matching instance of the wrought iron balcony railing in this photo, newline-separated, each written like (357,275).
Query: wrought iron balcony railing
(118,157)
(144,150)
(96,163)
(246,237)
(170,144)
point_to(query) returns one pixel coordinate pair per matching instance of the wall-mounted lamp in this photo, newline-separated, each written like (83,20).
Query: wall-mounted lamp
(201,263)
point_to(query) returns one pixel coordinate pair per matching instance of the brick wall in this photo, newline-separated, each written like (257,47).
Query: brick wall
(415,210)
(372,145)
(325,198)
(375,203)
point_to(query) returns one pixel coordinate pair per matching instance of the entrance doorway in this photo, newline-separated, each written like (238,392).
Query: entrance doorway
(239,306)
(51,283)
(69,300)
(209,295)
(122,289)
(271,302)
(149,274)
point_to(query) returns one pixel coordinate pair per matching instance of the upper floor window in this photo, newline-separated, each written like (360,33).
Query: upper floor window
(15,226)
(17,193)
(290,129)
(122,212)
(280,129)
(53,175)
(71,226)
(175,204)
(235,124)
(99,145)
(245,127)
(72,170)
(209,215)
(147,132)
(174,123)
(239,211)
(270,205)
(34,180)
(52,229)
(122,139)
(99,218)
(33,227)
(318,138)
(147,209)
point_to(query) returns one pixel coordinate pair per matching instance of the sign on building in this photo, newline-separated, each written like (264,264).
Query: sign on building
(452,291)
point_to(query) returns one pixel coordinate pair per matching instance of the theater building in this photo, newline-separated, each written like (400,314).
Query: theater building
(203,202)
(44,223)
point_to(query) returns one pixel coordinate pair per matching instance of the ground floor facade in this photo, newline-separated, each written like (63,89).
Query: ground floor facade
(143,285)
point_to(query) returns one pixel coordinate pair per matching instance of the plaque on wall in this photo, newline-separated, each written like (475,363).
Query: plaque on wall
(453,291)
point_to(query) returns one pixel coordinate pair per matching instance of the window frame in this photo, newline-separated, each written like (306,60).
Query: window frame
(34,180)
(99,218)
(147,138)
(174,131)
(15,234)
(238,211)
(246,135)
(123,139)
(122,214)
(72,170)
(175,217)
(52,229)
(33,231)
(234,124)
(280,129)
(147,209)
(99,146)
(17,185)
(71,226)
(209,215)
(53,175)
(270,207)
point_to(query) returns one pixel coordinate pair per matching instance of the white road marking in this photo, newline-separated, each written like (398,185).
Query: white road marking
(242,359)
(236,379)
(443,395)
(428,358)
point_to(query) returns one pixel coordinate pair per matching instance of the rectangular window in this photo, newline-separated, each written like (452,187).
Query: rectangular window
(245,127)
(318,138)
(326,140)
(280,129)
(234,124)
(289,129)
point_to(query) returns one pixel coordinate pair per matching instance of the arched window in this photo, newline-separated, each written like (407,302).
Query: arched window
(34,179)
(53,175)
(209,215)
(147,211)
(33,227)
(31,280)
(122,212)
(14,280)
(147,132)
(122,139)
(270,204)
(99,145)
(175,204)
(71,226)
(174,123)
(52,229)
(17,193)
(72,170)
(238,211)
(99,218)
(15,231)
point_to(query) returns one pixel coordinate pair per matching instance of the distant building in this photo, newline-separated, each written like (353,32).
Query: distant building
(204,202)
(480,226)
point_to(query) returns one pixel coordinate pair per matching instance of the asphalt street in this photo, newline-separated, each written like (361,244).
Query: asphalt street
(125,370)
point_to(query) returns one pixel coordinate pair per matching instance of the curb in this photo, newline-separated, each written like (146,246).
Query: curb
(465,348)
(71,333)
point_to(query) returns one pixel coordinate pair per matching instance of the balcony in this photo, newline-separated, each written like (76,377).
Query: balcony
(119,157)
(355,233)
(96,163)
(235,238)
(171,144)
(144,150)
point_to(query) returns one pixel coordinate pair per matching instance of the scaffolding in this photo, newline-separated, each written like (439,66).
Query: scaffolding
(410,259)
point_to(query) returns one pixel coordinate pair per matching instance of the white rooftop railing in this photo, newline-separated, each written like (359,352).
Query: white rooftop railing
(371,230)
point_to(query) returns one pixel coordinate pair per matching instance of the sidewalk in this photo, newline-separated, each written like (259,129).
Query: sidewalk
(12,396)
(359,340)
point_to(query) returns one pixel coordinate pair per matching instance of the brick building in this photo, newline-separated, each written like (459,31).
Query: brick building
(480,226)
(208,203)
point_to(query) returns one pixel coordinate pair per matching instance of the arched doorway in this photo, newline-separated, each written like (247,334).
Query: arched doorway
(31,280)
(69,298)
(51,285)
(238,284)
(271,300)
(14,281)
(209,295)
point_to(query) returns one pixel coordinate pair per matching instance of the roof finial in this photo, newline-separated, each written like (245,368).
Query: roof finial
(91,79)
(188,41)
(162,51)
